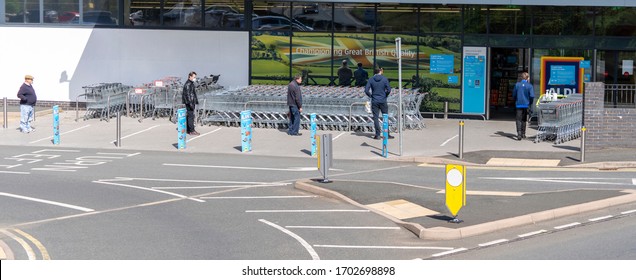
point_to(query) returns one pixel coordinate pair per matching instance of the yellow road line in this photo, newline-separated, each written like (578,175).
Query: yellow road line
(23,243)
(45,253)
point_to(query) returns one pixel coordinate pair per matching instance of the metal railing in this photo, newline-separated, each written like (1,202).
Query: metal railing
(620,96)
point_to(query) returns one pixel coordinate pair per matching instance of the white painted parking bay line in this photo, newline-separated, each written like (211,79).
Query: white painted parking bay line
(532,233)
(312,252)
(141,131)
(149,189)
(493,242)
(567,226)
(600,218)
(295,169)
(48,202)
(14,172)
(338,136)
(204,134)
(304,211)
(49,138)
(342,227)
(384,247)
(260,197)
(185,181)
(449,139)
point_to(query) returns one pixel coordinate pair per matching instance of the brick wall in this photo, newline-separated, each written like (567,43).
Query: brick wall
(607,127)
(43,104)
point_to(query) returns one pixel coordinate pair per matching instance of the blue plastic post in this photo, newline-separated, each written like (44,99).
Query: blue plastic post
(246,131)
(312,119)
(181,128)
(385,135)
(56,125)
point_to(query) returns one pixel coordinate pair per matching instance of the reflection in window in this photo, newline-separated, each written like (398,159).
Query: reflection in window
(100,12)
(441,19)
(551,20)
(311,56)
(475,18)
(351,49)
(182,13)
(144,13)
(397,18)
(26,11)
(226,14)
(357,17)
(271,15)
(616,21)
(270,57)
(314,16)
(441,85)
(509,20)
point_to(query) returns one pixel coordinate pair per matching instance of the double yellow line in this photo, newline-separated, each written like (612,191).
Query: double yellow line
(23,239)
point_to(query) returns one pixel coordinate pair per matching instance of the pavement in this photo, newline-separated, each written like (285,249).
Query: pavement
(486,144)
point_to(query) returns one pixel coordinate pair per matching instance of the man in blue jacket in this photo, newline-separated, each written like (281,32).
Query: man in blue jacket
(523,94)
(378,89)
(27,102)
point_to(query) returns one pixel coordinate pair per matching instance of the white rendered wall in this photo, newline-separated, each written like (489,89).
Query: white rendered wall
(63,59)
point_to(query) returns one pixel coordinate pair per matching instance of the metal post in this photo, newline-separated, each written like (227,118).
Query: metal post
(118,129)
(4,111)
(461,139)
(583,129)
(446,110)
(398,42)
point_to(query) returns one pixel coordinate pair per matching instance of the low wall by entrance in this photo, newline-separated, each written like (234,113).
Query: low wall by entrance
(607,127)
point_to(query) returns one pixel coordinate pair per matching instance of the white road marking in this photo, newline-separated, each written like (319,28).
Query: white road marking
(294,169)
(385,247)
(149,189)
(634,181)
(561,180)
(628,212)
(117,179)
(493,242)
(312,252)
(120,154)
(260,197)
(342,227)
(221,187)
(14,172)
(567,226)
(84,209)
(600,218)
(141,131)
(449,252)
(532,233)
(204,134)
(448,140)
(303,211)
(338,136)
(492,193)
(37,243)
(24,244)
(49,138)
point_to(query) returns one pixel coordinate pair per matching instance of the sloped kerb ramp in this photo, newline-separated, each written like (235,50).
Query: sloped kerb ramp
(482,213)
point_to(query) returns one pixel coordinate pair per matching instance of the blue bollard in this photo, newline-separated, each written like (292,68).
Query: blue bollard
(181,128)
(56,125)
(312,120)
(385,135)
(246,131)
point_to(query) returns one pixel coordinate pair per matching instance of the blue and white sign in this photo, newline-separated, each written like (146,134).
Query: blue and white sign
(474,80)
(442,63)
(452,79)
(181,128)
(562,75)
(246,131)
(56,125)
(585,64)
(385,135)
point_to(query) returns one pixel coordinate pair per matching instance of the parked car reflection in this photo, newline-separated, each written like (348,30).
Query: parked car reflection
(278,23)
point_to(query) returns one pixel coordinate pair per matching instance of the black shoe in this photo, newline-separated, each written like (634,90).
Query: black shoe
(376,137)
(391,137)
(523,136)
(297,134)
(518,138)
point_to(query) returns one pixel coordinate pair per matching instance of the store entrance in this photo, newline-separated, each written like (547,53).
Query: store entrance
(505,66)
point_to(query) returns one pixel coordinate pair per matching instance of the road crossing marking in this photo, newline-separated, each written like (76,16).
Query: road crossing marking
(312,252)
(84,209)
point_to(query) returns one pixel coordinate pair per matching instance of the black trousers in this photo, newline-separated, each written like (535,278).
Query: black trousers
(190,120)
(522,119)
(376,108)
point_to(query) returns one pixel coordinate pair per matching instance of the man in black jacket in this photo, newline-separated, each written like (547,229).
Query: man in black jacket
(27,102)
(295,103)
(190,100)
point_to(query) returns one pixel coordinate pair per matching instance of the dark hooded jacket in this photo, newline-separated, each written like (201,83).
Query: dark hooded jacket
(379,88)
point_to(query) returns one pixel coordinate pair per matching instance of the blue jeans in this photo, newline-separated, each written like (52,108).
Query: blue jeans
(294,120)
(26,115)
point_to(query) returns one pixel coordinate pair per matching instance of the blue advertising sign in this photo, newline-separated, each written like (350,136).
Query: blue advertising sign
(181,128)
(474,80)
(313,126)
(562,75)
(453,79)
(56,125)
(246,131)
(585,64)
(442,63)
(385,135)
